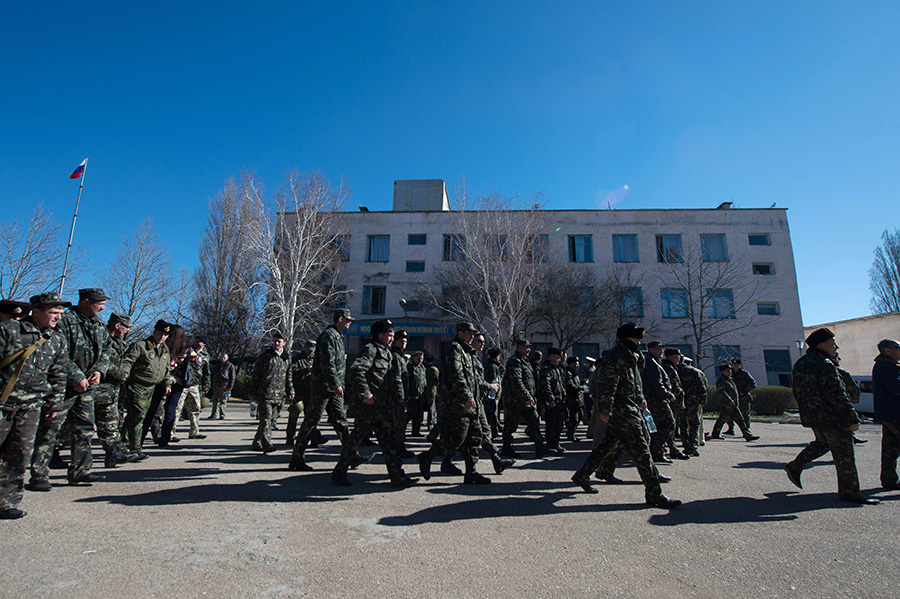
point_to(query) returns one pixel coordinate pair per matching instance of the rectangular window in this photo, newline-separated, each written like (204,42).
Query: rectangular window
(497,246)
(454,248)
(763,269)
(668,248)
(342,247)
(686,350)
(674,303)
(373,300)
(767,308)
(720,303)
(625,248)
(413,306)
(632,303)
(539,248)
(712,247)
(379,248)
(417,239)
(724,353)
(759,239)
(581,248)
(778,366)
(415,266)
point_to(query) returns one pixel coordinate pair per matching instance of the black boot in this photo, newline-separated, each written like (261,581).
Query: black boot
(508,452)
(425,458)
(501,464)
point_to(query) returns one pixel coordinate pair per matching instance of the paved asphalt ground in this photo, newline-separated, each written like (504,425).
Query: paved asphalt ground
(209,518)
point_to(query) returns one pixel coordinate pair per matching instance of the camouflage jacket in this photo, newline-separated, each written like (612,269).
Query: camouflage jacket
(199,365)
(417,380)
(115,373)
(432,379)
(694,384)
(301,375)
(727,391)
(460,382)
(518,381)
(484,384)
(617,382)
(146,363)
(329,362)
(850,385)
(271,379)
(401,366)
(551,386)
(375,372)
(820,394)
(744,382)
(88,342)
(574,389)
(675,381)
(42,382)
(655,381)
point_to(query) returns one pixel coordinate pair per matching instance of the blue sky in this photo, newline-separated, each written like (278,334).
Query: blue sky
(687,103)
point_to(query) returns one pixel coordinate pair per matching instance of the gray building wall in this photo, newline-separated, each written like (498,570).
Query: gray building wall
(858,339)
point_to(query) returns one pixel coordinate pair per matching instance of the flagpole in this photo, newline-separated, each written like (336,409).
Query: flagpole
(62,282)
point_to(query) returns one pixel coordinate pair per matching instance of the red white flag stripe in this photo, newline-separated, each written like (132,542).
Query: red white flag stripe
(79,170)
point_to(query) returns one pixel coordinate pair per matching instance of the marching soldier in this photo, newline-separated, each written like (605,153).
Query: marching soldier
(106,395)
(270,384)
(146,369)
(728,410)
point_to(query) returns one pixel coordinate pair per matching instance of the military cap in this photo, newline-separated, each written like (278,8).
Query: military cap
(725,366)
(521,342)
(819,336)
(462,327)
(122,319)
(590,360)
(310,343)
(341,313)
(94,294)
(277,335)
(554,351)
(673,351)
(735,360)
(571,359)
(654,344)
(381,326)
(629,330)
(687,360)
(202,339)
(401,334)
(14,308)
(50,299)
(163,326)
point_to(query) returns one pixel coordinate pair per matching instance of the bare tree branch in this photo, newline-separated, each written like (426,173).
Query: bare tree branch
(884,276)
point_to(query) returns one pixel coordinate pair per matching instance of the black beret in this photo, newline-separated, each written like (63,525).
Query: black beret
(381,326)
(14,308)
(554,351)
(819,336)
(163,326)
(630,331)
(401,334)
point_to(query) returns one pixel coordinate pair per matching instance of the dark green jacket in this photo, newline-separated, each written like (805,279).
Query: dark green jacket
(301,376)
(115,373)
(675,381)
(728,393)
(42,382)
(147,363)
(374,372)
(820,394)
(271,379)
(552,386)
(694,383)
(417,381)
(88,342)
(460,382)
(329,363)
(518,381)
(618,383)
(744,382)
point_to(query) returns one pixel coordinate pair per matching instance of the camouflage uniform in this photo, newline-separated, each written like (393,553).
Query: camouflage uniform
(88,344)
(677,406)
(657,388)
(519,389)
(222,376)
(301,377)
(146,369)
(328,373)
(270,384)
(398,408)
(745,384)
(417,386)
(574,402)
(825,408)
(41,386)
(484,389)
(374,372)
(619,395)
(694,385)
(728,407)
(432,380)
(552,395)
(191,397)
(491,405)
(106,401)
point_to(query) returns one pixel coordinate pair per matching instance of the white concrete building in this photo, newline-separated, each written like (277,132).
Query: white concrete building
(858,339)
(388,251)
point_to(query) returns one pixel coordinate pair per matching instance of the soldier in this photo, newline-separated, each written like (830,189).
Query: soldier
(669,363)
(417,384)
(619,404)
(106,394)
(270,383)
(551,392)
(146,369)
(13,310)
(401,339)
(728,409)
(745,384)
(88,344)
(493,373)
(886,395)
(301,376)
(459,388)
(326,388)
(657,388)
(574,398)
(519,402)
(376,381)
(199,379)
(825,408)
(222,377)
(584,374)
(432,380)
(694,384)
(33,370)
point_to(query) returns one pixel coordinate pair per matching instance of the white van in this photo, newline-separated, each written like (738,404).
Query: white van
(866,403)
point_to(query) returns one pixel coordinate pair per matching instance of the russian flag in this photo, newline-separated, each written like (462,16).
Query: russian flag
(79,170)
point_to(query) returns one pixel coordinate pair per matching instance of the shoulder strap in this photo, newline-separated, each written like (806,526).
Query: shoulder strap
(24,353)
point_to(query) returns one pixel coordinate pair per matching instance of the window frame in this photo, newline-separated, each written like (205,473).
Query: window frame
(766,236)
(769,265)
(374,248)
(424,238)
(706,247)
(587,248)
(776,312)
(627,295)
(368,303)
(454,247)
(666,301)
(416,262)
(663,250)
(713,300)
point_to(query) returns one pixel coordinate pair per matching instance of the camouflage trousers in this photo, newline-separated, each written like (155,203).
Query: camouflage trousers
(890,451)
(490,411)
(136,398)
(294,411)
(555,418)
(461,432)
(18,428)
(78,411)
(690,427)
(312,414)
(369,420)
(665,427)
(840,444)
(398,411)
(515,415)
(106,415)
(266,411)
(626,433)
(611,460)
(576,414)
(728,413)
(191,398)
(219,399)
(484,421)
(744,408)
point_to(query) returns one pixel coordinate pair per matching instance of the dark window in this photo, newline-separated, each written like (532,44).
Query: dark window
(415,266)
(763,269)
(342,247)
(583,350)
(417,239)
(413,306)
(778,366)
(632,303)
(759,239)
(497,246)
(581,248)
(379,248)
(625,248)
(373,300)
(767,308)
(720,303)
(674,303)
(713,248)
(668,248)
(454,248)
(724,353)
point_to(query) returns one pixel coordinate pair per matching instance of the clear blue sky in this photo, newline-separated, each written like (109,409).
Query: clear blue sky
(687,103)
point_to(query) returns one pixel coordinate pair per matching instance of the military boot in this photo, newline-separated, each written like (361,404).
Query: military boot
(508,452)
(501,464)
(448,467)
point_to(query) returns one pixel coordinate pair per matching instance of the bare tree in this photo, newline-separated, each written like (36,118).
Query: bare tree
(494,262)
(224,305)
(296,240)
(31,259)
(884,276)
(139,281)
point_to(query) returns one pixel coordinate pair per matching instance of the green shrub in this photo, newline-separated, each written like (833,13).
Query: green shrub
(768,400)
(241,388)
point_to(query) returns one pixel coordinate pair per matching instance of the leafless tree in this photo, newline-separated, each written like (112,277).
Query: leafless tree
(139,280)
(296,240)
(884,276)
(494,261)
(31,259)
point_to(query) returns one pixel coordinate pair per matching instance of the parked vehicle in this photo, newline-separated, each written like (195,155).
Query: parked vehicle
(866,403)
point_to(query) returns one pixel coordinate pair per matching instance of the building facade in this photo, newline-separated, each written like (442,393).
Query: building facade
(858,339)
